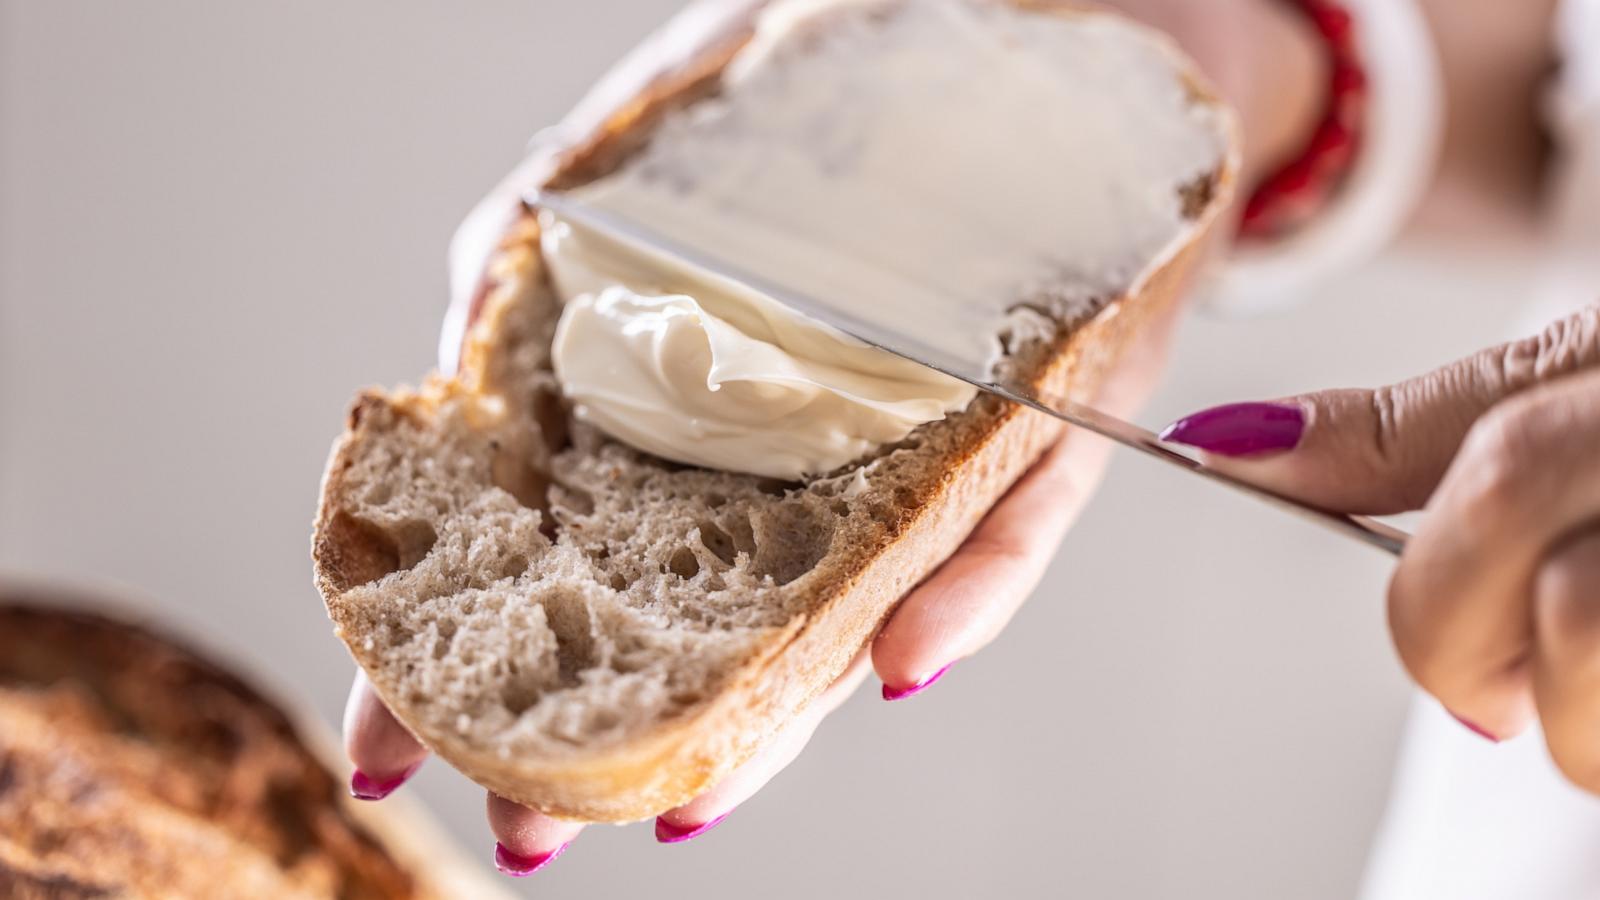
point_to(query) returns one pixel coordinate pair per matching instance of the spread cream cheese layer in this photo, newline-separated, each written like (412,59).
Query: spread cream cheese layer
(959,170)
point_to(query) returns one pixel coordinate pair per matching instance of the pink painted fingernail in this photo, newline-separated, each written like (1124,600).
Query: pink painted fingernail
(365,787)
(893,693)
(1241,429)
(668,833)
(518,866)
(1476,729)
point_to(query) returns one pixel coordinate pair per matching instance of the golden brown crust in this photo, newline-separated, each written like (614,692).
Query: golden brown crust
(682,758)
(132,767)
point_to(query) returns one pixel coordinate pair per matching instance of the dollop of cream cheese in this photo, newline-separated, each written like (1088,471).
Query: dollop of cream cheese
(956,170)
(713,374)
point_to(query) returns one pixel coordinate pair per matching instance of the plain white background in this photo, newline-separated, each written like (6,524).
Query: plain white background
(220,219)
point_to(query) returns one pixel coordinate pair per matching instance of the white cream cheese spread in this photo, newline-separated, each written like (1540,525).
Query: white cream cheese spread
(714,374)
(953,168)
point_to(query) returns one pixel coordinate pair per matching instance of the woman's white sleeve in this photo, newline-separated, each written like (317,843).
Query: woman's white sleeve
(1405,117)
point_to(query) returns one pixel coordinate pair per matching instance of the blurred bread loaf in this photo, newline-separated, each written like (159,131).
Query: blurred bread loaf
(130,766)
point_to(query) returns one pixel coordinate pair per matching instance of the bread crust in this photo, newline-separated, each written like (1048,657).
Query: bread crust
(682,758)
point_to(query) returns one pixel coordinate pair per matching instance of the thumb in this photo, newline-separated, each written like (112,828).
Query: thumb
(1382,451)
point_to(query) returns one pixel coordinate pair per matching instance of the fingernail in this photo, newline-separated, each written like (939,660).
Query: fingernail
(668,833)
(1476,729)
(365,787)
(519,866)
(894,693)
(1241,429)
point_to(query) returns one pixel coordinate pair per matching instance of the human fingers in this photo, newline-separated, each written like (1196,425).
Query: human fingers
(1461,602)
(1385,450)
(709,809)
(967,602)
(383,751)
(526,840)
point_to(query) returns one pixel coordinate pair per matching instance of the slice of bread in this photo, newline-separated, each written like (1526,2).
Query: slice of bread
(600,634)
(132,767)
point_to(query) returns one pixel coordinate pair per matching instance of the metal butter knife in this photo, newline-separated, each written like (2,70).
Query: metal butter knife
(974,372)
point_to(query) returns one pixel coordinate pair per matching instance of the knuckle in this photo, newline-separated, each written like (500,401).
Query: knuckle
(1500,452)
(1571,343)
(1567,591)
(1385,425)
(1393,449)
(1508,450)
(1564,346)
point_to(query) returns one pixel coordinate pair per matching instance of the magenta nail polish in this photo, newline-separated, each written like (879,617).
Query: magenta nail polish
(519,866)
(1476,729)
(365,787)
(1241,429)
(893,693)
(668,833)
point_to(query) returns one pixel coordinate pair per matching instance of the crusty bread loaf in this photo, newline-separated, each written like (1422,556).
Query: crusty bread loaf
(600,634)
(131,767)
